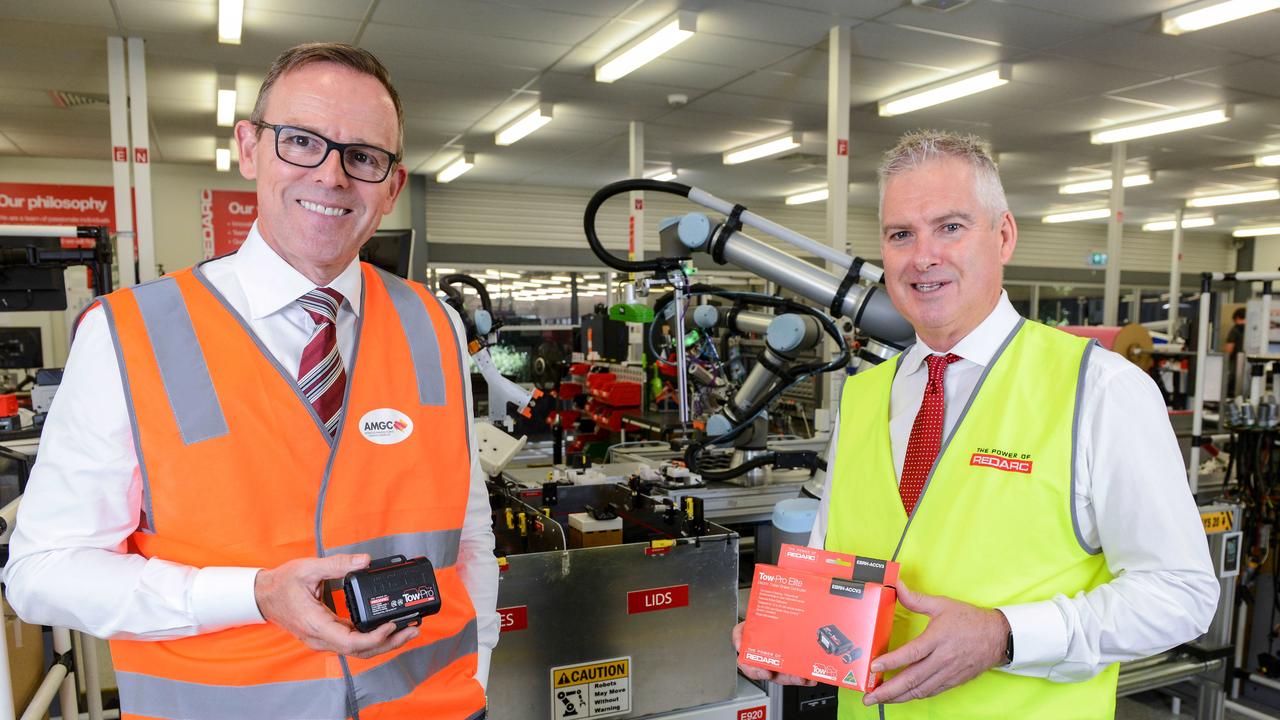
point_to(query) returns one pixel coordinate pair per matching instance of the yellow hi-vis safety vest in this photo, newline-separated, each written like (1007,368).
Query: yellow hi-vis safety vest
(995,524)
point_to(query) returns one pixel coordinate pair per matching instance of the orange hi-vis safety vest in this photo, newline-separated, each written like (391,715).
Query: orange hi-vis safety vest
(237,470)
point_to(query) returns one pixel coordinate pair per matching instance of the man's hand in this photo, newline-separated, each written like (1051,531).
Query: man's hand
(961,642)
(289,596)
(755,673)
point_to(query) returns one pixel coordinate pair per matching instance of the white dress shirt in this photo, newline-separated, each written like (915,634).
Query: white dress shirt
(1131,498)
(83,498)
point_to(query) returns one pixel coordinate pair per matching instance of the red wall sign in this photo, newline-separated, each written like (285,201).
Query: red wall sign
(225,219)
(511,619)
(842,147)
(35,204)
(663,598)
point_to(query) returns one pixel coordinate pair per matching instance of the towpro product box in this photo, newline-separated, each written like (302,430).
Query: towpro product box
(820,615)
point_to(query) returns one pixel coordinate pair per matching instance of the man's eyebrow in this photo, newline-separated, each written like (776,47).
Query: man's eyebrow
(952,215)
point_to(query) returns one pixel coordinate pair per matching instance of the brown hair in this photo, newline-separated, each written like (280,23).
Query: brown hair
(358,59)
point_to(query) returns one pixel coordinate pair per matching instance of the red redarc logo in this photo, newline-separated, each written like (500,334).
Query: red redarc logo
(1001,463)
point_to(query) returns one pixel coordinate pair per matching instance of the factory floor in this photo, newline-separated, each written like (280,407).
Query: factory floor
(1156,705)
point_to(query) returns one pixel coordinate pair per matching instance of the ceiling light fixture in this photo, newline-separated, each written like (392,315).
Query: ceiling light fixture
(226,112)
(222,159)
(523,125)
(807,197)
(1256,231)
(667,34)
(230,21)
(947,90)
(1162,125)
(1076,215)
(1207,13)
(765,148)
(663,175)
(1234,198)
(465,162)
(1103,185)
(1187,222)
(1267,160)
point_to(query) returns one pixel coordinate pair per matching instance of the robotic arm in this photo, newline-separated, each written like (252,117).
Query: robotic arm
(788,334)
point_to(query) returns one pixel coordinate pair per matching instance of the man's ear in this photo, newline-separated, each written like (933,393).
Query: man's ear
(247,139)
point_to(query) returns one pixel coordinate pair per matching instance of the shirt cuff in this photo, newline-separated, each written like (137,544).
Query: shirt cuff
(1039,634)
(222,597)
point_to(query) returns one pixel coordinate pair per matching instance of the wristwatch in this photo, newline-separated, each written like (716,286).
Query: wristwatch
(1008,649)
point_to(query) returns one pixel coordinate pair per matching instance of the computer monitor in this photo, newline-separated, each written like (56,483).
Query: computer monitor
(23,287)
(389,250)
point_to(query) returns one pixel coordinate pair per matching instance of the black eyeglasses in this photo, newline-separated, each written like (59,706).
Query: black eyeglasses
(304,148)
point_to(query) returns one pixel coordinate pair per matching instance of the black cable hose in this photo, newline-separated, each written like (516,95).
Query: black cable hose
(448,281)
(617,188)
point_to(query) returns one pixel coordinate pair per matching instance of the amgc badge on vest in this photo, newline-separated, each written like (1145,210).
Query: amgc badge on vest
(385,426)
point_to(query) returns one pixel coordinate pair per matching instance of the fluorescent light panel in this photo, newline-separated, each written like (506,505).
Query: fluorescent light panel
(1207,13)
(807,197)
(766,148)
(1234,198)
(663,175)
(230,21)
(1076,215)
(1103,185)
(1267,160)
(523,125)
(667,34)
(222,159)
(1187,222)
(1160,126)
(465,162)
(947,90)
(226,112)
(1256,231)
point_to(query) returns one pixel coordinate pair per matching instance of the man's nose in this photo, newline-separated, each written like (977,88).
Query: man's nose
(330,171)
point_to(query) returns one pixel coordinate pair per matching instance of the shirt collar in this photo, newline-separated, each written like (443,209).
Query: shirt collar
(270,284)
(978,346)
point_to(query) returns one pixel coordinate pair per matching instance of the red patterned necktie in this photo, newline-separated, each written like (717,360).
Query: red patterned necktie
(321,374)
(926,434)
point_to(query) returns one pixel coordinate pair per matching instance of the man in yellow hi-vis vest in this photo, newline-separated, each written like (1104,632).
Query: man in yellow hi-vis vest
(1027,480)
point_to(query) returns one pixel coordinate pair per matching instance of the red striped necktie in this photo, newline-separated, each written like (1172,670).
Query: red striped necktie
(321,375)
(926,434)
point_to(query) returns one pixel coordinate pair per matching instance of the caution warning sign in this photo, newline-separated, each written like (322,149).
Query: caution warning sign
(596,689)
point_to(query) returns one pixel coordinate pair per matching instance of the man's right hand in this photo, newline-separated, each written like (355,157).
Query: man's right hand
(289,596)
(754,673)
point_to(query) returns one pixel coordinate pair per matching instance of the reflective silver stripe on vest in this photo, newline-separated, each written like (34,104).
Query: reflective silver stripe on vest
(440,546)
(182,367)
(424,347)
(400,675)
(147,524)
(157,697)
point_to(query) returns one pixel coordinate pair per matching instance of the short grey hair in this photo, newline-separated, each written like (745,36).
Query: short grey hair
(922,146)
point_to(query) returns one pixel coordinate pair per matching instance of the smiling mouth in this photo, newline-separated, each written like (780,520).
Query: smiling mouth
(929,287)
(323,209)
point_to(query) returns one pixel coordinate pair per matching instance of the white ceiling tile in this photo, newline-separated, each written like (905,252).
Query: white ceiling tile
(488,19)
(461,46)
(1106,11)
(891,42)
(69,12)
(986,20)
(1150,51)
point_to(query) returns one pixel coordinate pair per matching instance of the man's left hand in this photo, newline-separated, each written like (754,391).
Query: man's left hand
(961,642)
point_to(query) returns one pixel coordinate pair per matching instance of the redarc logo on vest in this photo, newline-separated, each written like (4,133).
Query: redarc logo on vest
(385,426)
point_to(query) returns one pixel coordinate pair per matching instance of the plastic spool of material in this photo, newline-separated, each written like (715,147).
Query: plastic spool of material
(1132,341)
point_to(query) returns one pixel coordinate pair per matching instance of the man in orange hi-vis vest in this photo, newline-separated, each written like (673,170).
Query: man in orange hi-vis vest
(232,439)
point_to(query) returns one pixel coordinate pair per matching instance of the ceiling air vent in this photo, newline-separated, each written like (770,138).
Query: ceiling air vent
(941,5)
(68,99)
